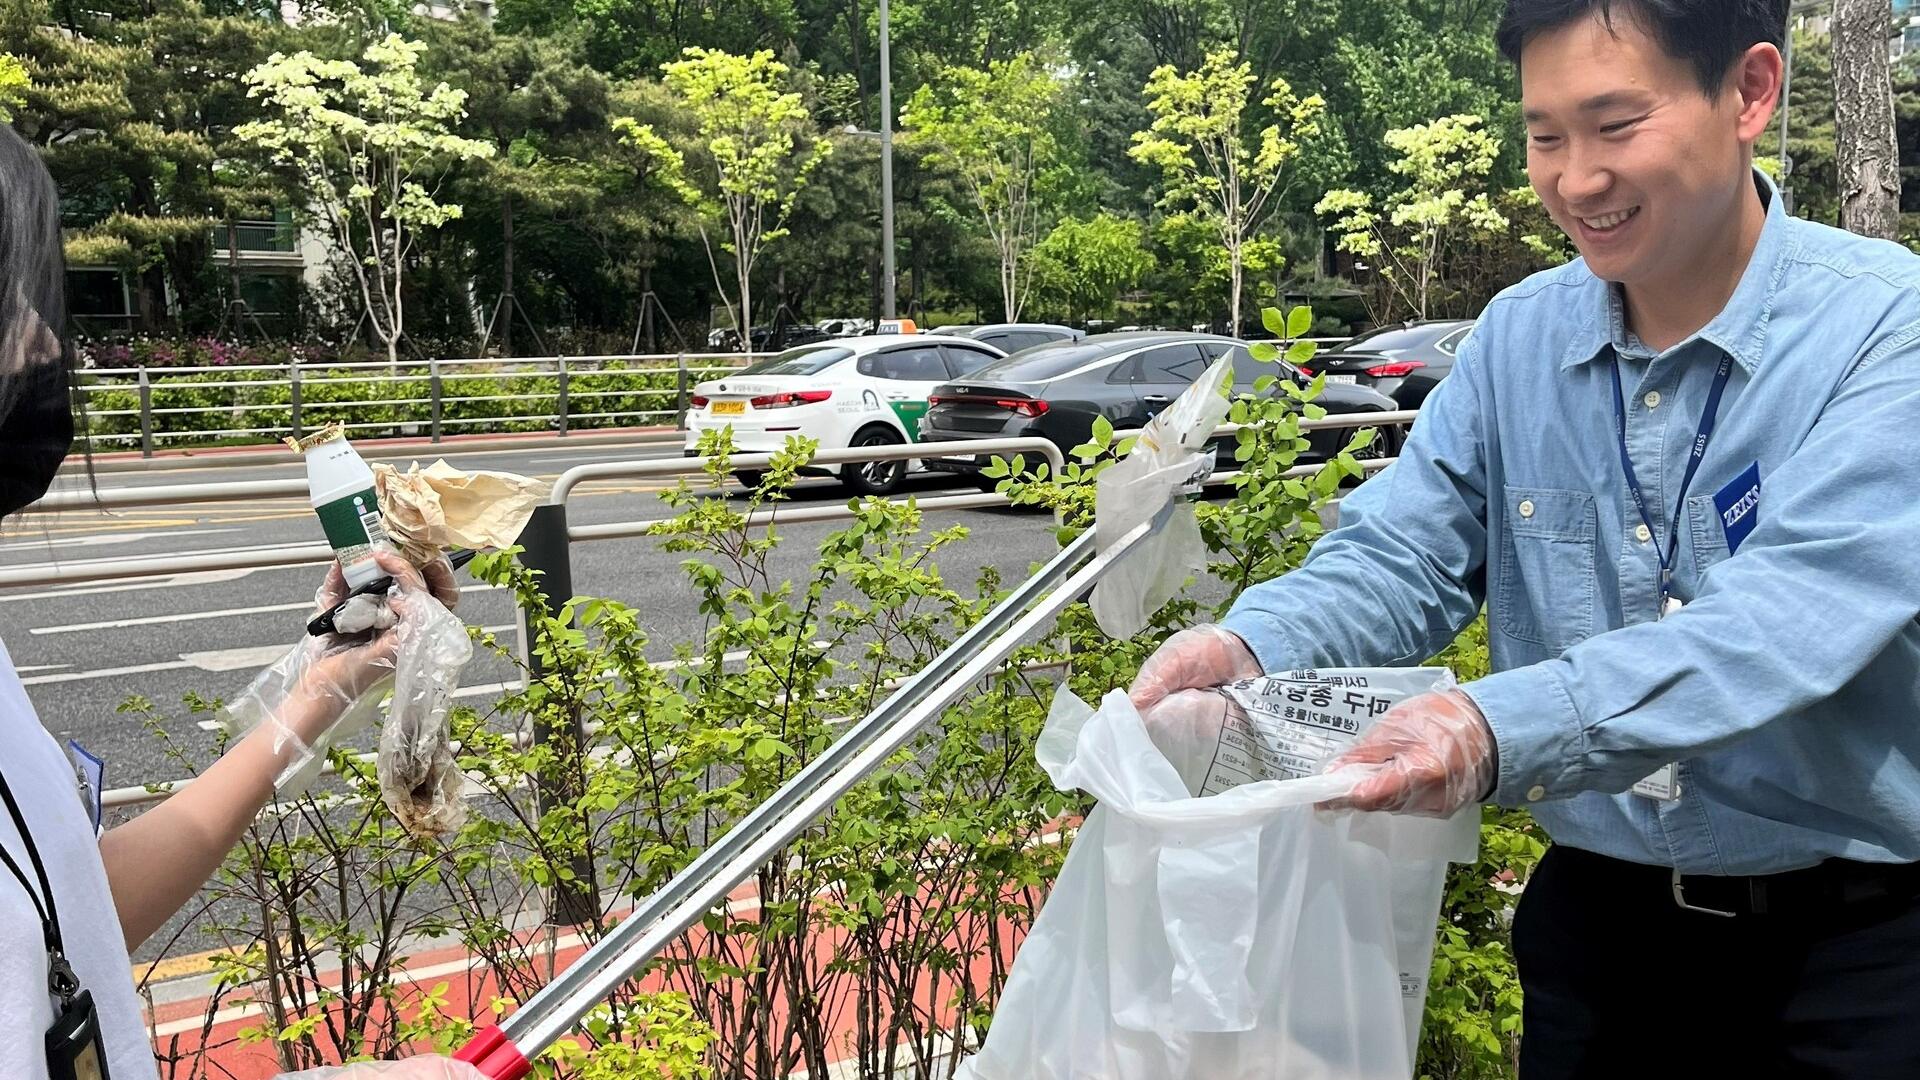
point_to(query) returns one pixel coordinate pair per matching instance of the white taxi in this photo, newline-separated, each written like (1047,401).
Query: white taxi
(848,392)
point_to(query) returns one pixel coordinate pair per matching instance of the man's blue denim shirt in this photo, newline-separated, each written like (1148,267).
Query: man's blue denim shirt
(1789,684)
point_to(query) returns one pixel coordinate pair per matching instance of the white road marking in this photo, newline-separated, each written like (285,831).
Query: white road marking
(104,673)
(40,667)
(102,539)
(197,616)
(216,660)
(155,620)
(157,581)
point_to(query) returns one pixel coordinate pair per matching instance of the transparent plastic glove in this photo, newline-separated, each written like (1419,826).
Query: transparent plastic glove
(1429,755)
(326,688)
(1194,659)
(1186,727)
(424,1067)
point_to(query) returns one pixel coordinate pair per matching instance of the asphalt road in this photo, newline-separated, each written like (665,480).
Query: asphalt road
(84,649)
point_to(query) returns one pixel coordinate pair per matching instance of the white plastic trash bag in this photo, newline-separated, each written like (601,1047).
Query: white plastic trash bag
(1236,935)
(1168,463)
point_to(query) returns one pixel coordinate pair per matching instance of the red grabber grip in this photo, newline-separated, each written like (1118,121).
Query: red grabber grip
(494,1054)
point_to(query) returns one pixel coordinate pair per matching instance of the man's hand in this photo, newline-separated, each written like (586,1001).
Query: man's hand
(1430,755)
(1194,659)
(424,1067)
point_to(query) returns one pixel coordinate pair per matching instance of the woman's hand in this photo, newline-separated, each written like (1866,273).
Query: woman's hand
(346,666)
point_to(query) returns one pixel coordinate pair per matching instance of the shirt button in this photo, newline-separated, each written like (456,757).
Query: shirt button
(1526,507)
(1642,533)
(1652,399)
(1536,793)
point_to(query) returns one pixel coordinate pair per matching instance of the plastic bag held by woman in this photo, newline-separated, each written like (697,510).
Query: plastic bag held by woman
(422,648)
(1242,934)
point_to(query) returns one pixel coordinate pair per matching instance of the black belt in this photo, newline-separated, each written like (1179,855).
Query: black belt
(1824,887)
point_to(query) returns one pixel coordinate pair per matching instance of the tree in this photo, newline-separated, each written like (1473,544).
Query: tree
(542,108)
(1808,113)
(992,128)
(133,111)
(1083,265)
(13,86)
(759,150)
(371,146)
(1445,165)
(1214,167)
(1869,163)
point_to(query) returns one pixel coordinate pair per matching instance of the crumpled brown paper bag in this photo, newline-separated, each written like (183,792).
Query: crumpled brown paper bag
(427,511)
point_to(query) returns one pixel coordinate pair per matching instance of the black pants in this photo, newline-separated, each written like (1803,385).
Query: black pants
(1621,983)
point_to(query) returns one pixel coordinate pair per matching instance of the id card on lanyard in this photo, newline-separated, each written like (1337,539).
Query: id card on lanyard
(1664,783)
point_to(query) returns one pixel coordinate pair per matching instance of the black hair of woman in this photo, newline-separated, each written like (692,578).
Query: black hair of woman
(37,400)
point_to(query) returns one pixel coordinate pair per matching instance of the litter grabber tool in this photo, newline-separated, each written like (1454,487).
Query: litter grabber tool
(1129,554)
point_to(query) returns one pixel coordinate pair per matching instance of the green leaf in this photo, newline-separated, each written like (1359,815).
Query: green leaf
(1275,323)
(1102,430)
(1299,321)
(1302,351)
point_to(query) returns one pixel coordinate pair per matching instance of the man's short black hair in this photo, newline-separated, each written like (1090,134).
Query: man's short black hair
(1709,34)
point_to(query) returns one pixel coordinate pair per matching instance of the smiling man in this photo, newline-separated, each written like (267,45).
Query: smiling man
(1681,474)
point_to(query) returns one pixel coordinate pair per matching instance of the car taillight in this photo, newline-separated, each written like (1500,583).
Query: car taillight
(1023,406)
(1308,372)
(789,400)
(697,401)
(1395,370)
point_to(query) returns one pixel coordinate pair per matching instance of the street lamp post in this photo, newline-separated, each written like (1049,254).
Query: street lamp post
(886,167)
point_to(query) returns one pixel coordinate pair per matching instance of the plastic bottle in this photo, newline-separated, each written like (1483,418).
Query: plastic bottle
(342,492)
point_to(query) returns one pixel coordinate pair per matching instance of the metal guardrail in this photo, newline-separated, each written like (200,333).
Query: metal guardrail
(307,395)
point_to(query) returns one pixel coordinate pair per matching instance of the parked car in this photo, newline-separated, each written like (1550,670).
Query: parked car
(1010,338)
(859,391)
(846,327)
(768,338)
(1404,361)
(1055,392)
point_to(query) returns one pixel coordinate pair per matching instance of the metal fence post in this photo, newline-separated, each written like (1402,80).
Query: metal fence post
(562,361)
(146,414)
(433,397)
(293,399)
(547,554)
(680,393)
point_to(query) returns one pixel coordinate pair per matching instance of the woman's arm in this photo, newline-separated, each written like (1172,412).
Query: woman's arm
(157,861)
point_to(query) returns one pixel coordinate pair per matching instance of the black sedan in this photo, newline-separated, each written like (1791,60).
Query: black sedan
(1404,361)
(1055,392)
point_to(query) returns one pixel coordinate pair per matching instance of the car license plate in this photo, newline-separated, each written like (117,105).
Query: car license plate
(1346,380)
(729,408)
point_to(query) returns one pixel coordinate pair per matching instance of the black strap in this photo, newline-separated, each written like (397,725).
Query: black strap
(61,980)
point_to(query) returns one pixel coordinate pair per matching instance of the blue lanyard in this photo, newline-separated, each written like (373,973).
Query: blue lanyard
(1672,549)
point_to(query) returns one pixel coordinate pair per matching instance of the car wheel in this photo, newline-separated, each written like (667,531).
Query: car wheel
(874,477)
(1386,443)
(749,478)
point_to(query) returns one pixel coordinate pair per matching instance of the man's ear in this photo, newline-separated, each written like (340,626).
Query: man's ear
(1756,80)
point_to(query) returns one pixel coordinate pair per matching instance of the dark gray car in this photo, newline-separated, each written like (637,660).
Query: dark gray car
(1404,361)
(1055,392)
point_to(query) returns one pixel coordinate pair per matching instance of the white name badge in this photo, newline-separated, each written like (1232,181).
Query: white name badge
(1662,785)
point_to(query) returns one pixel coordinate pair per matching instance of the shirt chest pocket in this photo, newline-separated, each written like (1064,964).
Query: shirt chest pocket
(1545,595)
